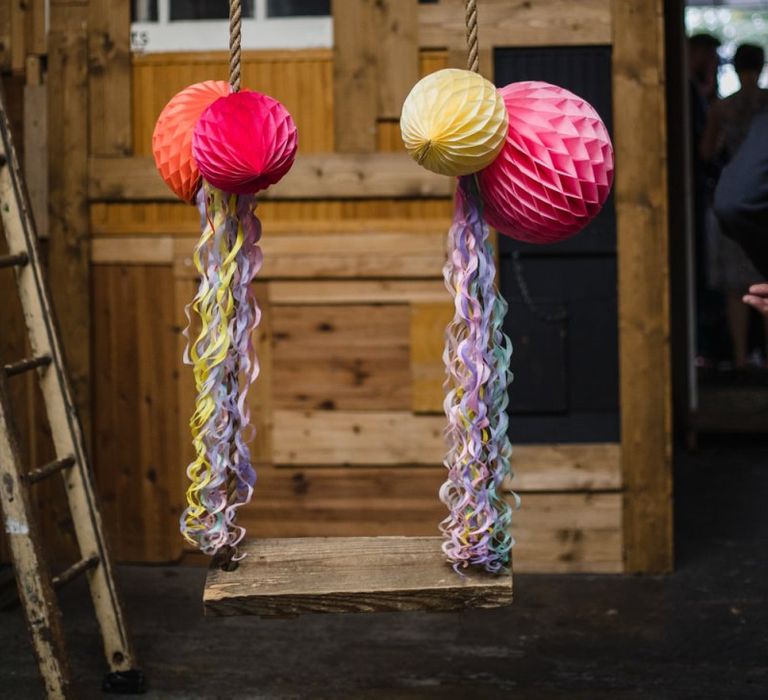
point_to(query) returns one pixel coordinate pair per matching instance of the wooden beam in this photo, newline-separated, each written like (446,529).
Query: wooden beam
(289,577)
(313,176)
(355,76)
(109,62)
(398,46)
(358,292)
(69,255)
(36,144)
(5,36)
(385,255)
(517,23)
(365,438)
(643,266)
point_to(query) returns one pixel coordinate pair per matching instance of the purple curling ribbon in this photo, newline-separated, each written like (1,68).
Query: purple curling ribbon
(476,356)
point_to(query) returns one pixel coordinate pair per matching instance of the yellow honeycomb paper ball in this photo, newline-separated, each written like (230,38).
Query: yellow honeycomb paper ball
(454,122)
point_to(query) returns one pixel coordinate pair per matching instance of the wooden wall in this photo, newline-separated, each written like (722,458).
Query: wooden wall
(348,406)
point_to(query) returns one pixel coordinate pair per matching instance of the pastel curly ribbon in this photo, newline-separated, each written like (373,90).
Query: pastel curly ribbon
(227,258)
(476,356)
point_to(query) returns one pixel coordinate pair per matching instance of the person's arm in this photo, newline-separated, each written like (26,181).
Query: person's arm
(758,298)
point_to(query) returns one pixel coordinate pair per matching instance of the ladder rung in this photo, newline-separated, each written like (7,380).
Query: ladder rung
(74,571)
(26,365)
(51,468)
(19,259)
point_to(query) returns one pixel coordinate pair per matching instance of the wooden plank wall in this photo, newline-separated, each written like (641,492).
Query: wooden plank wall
(349,403)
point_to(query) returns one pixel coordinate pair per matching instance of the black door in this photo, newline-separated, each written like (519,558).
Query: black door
(562,298)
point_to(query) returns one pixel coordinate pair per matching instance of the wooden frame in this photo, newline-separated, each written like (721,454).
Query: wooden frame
(635,29)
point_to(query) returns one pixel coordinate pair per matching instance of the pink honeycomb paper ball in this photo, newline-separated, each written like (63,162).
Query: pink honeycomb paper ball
(244,142)
(555,171)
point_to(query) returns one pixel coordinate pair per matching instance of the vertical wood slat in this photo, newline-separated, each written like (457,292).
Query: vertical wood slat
(36,145)
(643,262)
(428,324)
(137,373)
(398,59)
(109,60)
(355,95)
(18,35)
(36,34)
(69,270)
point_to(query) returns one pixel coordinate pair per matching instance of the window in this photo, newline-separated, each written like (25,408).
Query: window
(298,8)
(202,25)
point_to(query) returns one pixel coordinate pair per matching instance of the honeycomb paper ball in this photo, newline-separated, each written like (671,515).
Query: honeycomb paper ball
(244,142)
(172,138)
(556,168)
(453,122)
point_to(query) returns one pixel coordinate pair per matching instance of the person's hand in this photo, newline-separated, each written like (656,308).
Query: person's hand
(758,298)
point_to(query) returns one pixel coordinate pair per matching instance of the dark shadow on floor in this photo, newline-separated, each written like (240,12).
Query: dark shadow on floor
(700,633)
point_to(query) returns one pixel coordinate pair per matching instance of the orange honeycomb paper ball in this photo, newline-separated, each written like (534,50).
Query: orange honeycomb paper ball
(172,138)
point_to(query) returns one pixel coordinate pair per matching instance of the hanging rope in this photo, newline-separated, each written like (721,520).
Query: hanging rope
(228,554)
(470,17)
(235,26)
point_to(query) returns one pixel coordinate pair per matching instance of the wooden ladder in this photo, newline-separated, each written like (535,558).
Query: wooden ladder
(35,584)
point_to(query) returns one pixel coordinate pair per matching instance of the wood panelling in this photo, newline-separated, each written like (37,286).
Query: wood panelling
(348,357)
(301,80)
(529,23)
(22,33)
(398,53)
(356,46)
(136,370)
(427,331)
(167,219)
(348,406)
(356,437)
(368,255)
(319,176)
(643,245)
(358,292)
(109,67)
(69,271)
(555,532)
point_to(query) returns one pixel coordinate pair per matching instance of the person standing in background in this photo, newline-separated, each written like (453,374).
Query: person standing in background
(728,123)
(703,62)
(741,205)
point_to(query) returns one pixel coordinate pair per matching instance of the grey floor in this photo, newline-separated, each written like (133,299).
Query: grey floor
(700,633)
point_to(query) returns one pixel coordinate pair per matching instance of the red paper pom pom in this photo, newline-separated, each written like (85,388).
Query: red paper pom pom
(555,170)
(244,142)
(172,138)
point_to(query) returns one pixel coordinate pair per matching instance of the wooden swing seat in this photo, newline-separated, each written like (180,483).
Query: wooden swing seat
(290,577)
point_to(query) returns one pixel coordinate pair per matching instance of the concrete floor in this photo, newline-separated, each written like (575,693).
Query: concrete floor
(700,633)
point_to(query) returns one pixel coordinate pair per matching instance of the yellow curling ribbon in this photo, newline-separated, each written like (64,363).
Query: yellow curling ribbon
(214,306)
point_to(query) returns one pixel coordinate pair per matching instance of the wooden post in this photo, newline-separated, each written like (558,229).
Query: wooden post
(36,144)
(69,251)
(398,60)
(109,62)
(643,244)
(355,94)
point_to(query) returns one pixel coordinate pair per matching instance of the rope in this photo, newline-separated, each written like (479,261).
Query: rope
(470,17)
(226,558)
(235,23)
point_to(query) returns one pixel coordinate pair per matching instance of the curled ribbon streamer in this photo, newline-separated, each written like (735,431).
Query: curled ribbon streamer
(476,356)
(227,258)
